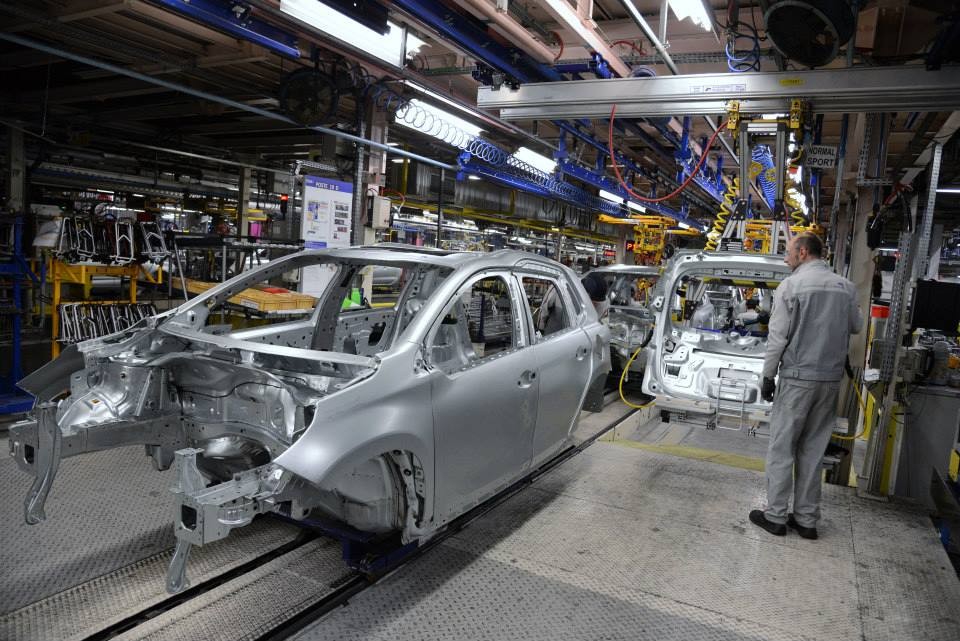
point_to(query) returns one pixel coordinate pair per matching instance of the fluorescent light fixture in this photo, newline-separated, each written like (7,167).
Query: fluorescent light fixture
(614,198)
(103,191)
(692,9)
(393,144)
(948,190)
(683,225)
(636,206)
(137,195)
(388,47)
(472,177)
(532,158)
(431,120)
(397,160)
(441,98)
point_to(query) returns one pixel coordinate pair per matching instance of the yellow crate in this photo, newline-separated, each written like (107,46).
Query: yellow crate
(259,300)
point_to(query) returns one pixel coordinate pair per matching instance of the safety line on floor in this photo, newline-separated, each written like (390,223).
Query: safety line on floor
(695,453)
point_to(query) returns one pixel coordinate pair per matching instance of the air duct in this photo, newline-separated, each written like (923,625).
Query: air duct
(809,32)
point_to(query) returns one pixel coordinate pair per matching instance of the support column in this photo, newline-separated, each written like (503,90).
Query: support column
(443,175)
(243,203)
(16,170)
(621,249)
(356,229)
(376,162)
(850,238)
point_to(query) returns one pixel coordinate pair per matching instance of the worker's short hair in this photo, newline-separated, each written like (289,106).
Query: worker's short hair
(811,242)
(751,303)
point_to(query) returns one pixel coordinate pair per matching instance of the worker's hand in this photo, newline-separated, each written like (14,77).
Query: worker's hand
(767,389)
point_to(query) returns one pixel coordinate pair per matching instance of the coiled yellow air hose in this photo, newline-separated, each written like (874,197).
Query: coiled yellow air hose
(726,210)
(796,214)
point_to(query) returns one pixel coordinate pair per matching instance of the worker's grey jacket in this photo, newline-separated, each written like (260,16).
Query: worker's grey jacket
(814,313)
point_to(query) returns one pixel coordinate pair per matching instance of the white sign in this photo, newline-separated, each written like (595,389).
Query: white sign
(327,213)
(326,223)
(821,157)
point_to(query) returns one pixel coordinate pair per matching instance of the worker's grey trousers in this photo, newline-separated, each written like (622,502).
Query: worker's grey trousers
(804,414)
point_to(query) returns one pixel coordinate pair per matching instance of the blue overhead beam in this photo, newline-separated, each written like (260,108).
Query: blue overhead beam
(235,18)
(472,34)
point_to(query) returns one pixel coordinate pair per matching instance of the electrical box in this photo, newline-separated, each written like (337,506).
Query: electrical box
(380,212)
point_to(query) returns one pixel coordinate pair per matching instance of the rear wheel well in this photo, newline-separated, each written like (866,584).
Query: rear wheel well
(409,484)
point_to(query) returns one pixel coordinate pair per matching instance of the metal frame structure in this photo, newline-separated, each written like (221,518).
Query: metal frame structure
(12,399)
(61,273)
(834,90)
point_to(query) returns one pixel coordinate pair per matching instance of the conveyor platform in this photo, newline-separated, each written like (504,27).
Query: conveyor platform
(618,542)
(628,543)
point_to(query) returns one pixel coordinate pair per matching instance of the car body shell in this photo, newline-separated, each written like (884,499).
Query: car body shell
(323,416)
(693,370)
(630,321)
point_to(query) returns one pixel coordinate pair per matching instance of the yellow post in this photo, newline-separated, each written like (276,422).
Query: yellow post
(55,311)
(133,272)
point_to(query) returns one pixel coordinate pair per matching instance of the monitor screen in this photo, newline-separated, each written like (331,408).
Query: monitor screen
(936,305)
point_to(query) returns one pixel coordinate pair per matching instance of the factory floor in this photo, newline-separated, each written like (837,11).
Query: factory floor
(634,538)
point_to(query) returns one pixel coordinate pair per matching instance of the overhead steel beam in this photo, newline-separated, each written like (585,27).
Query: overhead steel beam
(203,95)
(586,29)
(837,90)
(667,60)
(944,134)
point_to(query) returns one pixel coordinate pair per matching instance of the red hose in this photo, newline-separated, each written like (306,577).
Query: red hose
(384,191)
(560,40)
(683,185)
(630,44)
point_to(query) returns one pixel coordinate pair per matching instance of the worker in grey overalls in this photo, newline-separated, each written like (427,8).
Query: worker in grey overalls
(814,313)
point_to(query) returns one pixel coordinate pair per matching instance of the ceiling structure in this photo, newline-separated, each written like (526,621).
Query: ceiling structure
(84,116)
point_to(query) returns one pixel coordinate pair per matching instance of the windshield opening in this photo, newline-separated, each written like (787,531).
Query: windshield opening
(316,301)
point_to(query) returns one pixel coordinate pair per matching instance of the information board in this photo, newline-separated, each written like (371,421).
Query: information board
(325,224)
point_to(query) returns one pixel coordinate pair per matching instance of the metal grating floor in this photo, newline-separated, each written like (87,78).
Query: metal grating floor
(102,555)
(92,528)
(621,543)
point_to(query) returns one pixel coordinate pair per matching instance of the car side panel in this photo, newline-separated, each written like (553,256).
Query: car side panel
(389,411)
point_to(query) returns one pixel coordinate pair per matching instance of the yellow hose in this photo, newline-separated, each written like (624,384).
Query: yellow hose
(863,410)
(796,214)
(623,376)
(726,210)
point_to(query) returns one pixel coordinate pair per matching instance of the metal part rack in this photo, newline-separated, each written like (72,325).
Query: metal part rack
(61,273)
(216,265)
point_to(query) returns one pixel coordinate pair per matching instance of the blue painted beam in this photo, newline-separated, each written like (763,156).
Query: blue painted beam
(473,35)
(221,16)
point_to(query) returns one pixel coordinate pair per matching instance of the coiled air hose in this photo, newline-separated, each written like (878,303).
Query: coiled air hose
(762,155)
(726,210)
(796,213)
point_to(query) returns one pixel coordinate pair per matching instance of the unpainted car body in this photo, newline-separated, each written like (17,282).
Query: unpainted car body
(628,317)
(701,356)
(393,419)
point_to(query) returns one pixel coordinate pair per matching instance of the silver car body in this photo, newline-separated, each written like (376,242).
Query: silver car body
(701,361)
(372,418)
(629,320)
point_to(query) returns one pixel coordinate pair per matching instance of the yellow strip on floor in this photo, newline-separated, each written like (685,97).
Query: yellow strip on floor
(697,453)
(712,456)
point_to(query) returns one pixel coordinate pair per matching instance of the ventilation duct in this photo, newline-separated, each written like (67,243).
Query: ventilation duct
(809,32)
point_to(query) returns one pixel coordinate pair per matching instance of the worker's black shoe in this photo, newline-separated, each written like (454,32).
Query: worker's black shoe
(758,518)
(805,532)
